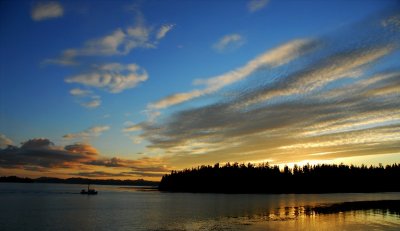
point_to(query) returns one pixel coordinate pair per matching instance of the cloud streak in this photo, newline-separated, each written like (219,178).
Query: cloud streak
(80,92)
(111,77)
(88,133)
(47,10)
(271,58)
(256,5)
(5,141)
(143,164)
(162,32)
(119,42)
(338,66)
(86,98)
(229,42)
(339,101)
(92,104)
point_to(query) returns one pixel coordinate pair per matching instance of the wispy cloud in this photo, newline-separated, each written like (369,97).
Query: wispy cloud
(80,92)
(5,141)
(92,103)
(99,174)
(338,66)
(339,101)
(88,133)
(67,58)
(392,22)
(271,58)
(112,77)
(119,42)
(229,41)
(86,98)
(132,128)
(47,10)
(148,167)
(143,164)
(256,5)
(146,174)
(177,99)
(164,29)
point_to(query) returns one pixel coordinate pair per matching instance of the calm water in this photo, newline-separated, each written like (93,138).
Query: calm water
(61,207)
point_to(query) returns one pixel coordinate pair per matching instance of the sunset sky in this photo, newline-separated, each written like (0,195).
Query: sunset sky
(134,89)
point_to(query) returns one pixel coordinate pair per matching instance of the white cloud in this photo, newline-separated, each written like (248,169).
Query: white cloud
(66,59)
(108,45)
(92,104)
(164,30)
(272,58)
(365,112)
(112,77)
(339,101)
(79,92)
(86,98)
(88,133)
(339,67)
(132,128)
(136,139)
(229,41)
(119,42)
(48,10)
(255,5)
(176,99)
(5,141)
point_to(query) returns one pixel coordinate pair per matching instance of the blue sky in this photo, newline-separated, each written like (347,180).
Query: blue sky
(131,79)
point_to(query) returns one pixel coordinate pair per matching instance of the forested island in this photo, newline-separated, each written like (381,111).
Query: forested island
(78,180)
(263,178)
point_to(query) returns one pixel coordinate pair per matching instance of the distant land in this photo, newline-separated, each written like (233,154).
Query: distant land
(263,178)
(78,180)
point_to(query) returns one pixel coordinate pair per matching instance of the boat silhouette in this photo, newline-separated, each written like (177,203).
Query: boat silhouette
(89,191)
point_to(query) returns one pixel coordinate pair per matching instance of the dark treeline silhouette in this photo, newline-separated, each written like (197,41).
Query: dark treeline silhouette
(78,180)
(263,178)
(15,179)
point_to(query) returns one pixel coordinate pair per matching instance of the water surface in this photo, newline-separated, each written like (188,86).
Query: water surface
(60,207)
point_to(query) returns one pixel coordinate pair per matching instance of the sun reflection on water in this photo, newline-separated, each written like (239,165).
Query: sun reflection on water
(299,218)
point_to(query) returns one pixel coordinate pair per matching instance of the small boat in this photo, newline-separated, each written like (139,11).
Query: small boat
(89,191)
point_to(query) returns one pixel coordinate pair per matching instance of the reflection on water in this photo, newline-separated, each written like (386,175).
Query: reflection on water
(299,218)
(354,220)
(61,207)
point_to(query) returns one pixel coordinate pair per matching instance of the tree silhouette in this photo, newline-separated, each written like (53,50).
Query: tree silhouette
(263,178)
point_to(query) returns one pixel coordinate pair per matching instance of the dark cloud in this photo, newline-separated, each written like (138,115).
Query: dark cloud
(41,153)
(145,174)
(143,165)
(120,174)
(100,174)
(39,143)
(112,162)
(82,148)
